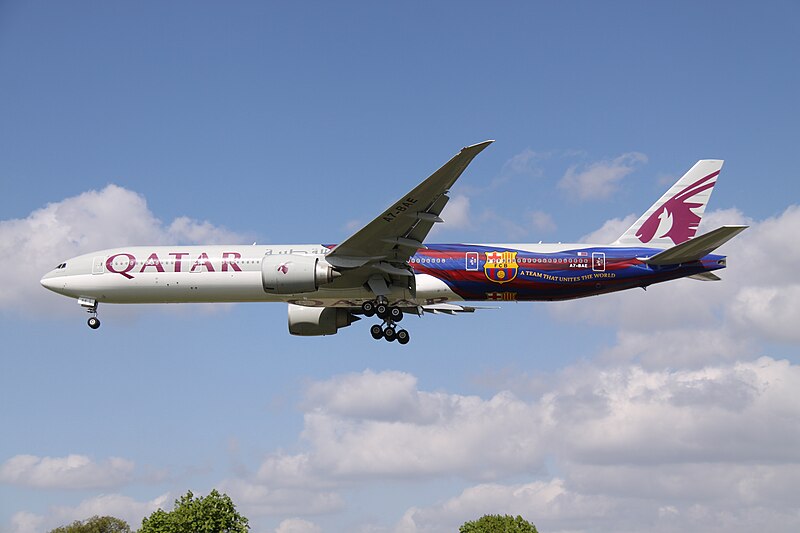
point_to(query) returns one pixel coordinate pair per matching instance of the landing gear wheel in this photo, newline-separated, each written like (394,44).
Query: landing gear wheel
(382,310)
(376,331)
(389,333)
(396,314)
(402,337)
(94,322)
(368,308)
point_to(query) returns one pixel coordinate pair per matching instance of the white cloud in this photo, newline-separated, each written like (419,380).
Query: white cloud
(456,214)
(419,433)
(501,227)
(715,498)
(600,180)
(25,522)
(94,220)
(540,221)
(257,498)
(185,230)
(70,472)
(525,163)
(369,395)
(680,446)
(297,525)
(657,450)
(689,347)
(756,298)
(711,483)
(117,505)
(541,502)
(724,411)
(771,312)
(609,231)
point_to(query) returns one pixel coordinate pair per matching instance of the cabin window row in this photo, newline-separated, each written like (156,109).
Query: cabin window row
(572,260)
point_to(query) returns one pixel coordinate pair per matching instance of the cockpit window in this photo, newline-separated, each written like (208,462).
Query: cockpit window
(62,265)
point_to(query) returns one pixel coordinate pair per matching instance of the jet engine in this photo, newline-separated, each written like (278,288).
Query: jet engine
(295,274)
(311,321)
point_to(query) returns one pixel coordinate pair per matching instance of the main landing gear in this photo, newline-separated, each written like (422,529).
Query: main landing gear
(390,316)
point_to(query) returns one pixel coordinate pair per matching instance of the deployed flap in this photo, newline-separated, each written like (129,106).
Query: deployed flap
(696,248)
(448,309)
(451,309)
(706,276)
(397,233)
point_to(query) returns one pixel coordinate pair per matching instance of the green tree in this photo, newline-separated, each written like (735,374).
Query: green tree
(96,524)
(498,524)
(215,513)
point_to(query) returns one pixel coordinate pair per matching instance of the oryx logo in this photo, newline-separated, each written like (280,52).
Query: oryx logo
(283,268)
(501,267)
(676,218)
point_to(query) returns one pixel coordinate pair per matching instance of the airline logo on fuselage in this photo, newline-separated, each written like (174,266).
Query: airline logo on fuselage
(126,264)
(501,267)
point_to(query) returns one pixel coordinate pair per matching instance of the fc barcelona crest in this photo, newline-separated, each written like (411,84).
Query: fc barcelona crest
(501,267)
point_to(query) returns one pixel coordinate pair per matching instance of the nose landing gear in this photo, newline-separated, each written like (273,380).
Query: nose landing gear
(91,308)
(390,317)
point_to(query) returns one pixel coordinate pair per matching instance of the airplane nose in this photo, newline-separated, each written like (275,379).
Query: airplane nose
(48,283)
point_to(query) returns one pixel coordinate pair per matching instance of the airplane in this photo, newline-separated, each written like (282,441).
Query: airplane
(385,270)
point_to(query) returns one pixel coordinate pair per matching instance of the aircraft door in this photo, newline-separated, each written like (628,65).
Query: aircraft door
(472,261)
(599,261)
(98,263)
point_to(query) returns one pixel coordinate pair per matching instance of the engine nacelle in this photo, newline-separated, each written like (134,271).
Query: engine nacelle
(311,321)
(295,274)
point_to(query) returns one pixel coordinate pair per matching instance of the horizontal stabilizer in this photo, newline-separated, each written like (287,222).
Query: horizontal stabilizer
(694,249)
(706,276)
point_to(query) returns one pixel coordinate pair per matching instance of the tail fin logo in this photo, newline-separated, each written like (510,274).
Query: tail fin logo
(675,219)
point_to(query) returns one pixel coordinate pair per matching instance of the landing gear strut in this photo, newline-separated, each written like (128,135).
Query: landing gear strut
(390,316)
(91,308)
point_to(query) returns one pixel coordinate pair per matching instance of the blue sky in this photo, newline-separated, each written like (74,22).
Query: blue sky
(199,122)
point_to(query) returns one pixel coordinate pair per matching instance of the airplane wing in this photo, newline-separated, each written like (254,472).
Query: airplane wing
(386,243)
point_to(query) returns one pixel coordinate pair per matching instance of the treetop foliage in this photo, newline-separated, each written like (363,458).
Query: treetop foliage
(95,524)
(215,513)
(498,524)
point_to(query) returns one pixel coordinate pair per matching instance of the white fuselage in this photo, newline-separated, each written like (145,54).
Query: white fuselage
(215,273)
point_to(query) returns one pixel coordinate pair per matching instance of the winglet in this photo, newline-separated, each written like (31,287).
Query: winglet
(478,146)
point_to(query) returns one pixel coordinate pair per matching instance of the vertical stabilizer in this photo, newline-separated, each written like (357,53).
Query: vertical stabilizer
(675,217)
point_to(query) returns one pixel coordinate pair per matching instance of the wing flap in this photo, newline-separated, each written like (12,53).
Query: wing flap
(451,309)
(706,276)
